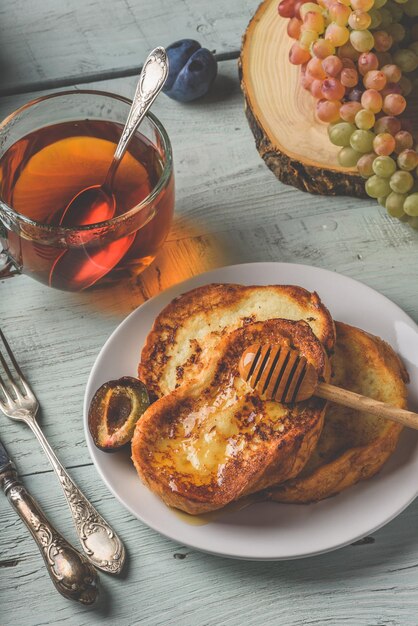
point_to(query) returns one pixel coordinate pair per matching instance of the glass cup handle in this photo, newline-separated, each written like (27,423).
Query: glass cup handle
(8,267)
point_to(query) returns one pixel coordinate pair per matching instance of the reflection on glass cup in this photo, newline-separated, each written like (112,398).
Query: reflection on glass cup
(52,148)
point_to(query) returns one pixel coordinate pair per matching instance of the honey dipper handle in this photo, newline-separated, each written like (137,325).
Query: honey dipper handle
(368,405)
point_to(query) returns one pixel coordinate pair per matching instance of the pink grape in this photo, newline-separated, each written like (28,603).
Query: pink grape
(316,89)
(349,77)
(382,41)
(374,80)
(367,62)
(348,63)
(408,160)
(394,104)
(365,165)
(349,110)
(372,100)
(332,89)
(339,13)
(328,110)
(391,88)
(286,8)
(306,81)
(355,94)
(293,28)
(403,141)
(387,124)
(314,68)
(384,144)
(298,5)
(332,65)
(297,55)
(322,48)
(348,52)
(392,72)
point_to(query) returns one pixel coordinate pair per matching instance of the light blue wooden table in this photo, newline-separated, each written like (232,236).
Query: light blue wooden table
(229,208)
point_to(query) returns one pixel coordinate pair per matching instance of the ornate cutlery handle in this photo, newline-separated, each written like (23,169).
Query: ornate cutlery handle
(99,541)
(71,573)
(151,80)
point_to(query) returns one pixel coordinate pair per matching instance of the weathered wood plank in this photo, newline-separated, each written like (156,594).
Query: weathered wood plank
(370,583)
(56,40)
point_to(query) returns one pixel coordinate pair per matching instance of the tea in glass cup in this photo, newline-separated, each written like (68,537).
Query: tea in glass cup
(53,148)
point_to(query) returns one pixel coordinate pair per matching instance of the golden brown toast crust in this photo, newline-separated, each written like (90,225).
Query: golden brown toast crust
(212,440)
(352,446)
(186,330)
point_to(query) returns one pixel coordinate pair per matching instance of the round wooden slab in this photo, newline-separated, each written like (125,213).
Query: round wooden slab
(281,114)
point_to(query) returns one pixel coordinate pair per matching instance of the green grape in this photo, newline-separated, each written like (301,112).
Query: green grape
(376,18)
(365,165)
(384,166)
(362,40)
(377,187)
(348,157)
(401,182)
(386,18)
(406,59)
(394,204)
(378,4)
(406,85)
(411,205)
(408,160)
(414,47)
(382,201)
(396,10)
(362,140)
(411,8)
(397,31)
(340,133)
(364,119)
(401,1)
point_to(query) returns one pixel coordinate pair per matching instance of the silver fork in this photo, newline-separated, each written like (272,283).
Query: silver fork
(100,543)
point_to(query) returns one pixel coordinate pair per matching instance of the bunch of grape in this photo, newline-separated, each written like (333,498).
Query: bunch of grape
(359,60)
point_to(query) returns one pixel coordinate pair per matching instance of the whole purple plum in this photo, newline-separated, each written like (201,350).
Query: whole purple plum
(192,70)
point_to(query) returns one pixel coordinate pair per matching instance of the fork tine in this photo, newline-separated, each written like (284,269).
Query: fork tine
(15,365)
(6,394)
(12,383)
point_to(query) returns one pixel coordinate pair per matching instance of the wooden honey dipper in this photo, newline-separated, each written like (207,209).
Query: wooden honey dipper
(282,374)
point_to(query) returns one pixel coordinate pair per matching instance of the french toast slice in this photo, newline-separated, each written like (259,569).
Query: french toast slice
(212,440)
(353,446)
(187,331)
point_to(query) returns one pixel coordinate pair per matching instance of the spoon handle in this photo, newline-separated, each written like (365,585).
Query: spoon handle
(71,573)
(366,404)
(151,80)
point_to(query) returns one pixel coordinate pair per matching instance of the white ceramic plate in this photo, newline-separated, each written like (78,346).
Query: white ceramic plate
(269,530)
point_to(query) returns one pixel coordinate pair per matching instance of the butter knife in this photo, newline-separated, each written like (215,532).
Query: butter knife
(72,574)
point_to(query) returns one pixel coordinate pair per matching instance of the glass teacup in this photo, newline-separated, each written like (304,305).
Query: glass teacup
(52,148)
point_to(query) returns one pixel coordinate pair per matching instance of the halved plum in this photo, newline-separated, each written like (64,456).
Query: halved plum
(114,411)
